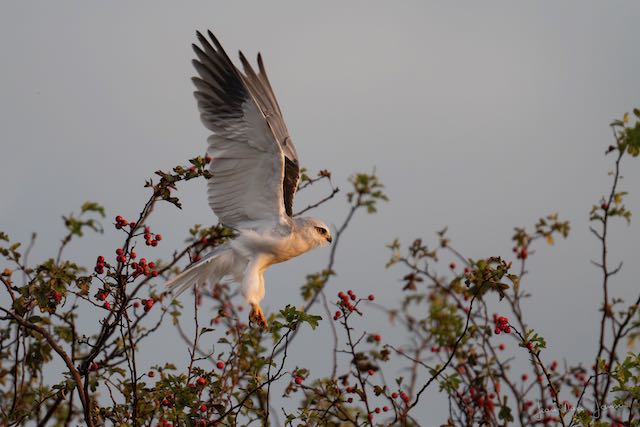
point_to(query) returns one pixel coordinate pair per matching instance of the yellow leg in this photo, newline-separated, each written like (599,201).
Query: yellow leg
(257,316)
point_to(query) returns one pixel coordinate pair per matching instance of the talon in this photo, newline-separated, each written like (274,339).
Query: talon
(257,316)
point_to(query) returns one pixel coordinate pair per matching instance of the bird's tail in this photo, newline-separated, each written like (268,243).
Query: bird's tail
(212,268)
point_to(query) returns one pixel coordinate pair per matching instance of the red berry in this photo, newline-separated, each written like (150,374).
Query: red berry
(56,296)
(370,417)
(136,304)
(604,206)
(525,377)
(220,364)
(133,254)
(523,253)
(298,380)
(121,259)
(497,330)
(507,330)
(93,366)
(166,402)
(100,260)
(154,243)
(502,346)
(452,266)
(377,410)
(158,237)
(203,408)
(154,273)
(207,158)
(350,400)
(152,265)
(377,338)
(370,372)
(385,408)
(102,296)
(371,297)
(119,251)
(119,218)
(107,305)
(151,374)
(201,381)
(394,395)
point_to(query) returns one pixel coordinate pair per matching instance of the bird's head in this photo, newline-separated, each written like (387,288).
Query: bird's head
(315,231)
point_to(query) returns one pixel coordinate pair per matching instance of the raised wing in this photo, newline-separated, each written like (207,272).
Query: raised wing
(255,165)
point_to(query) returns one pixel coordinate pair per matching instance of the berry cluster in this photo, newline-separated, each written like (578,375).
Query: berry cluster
(404,396)
(345,300)
(502,324)
(143,268)
(120,256)
(102,295)
(151,239)
(377,410)
(148,304)
(99,268)
(481,399)
(121,223)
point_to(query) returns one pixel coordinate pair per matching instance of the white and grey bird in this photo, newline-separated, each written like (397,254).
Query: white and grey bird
(255,174)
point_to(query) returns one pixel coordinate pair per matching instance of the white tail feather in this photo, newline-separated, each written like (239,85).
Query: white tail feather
(212,268)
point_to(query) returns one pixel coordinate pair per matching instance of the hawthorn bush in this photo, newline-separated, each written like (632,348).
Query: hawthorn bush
(449,328)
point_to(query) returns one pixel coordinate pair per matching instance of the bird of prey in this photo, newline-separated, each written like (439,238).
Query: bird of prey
(255,174)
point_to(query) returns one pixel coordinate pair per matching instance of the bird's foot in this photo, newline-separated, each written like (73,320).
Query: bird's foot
(257,316)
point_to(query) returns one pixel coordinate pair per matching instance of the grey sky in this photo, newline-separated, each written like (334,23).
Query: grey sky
(480,116)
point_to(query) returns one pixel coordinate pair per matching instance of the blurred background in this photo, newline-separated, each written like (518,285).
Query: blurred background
(477,116)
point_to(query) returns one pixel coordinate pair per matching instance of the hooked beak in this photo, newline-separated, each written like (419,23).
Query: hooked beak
(329,239)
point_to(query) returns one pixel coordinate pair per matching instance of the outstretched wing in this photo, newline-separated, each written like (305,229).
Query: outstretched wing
(255,166)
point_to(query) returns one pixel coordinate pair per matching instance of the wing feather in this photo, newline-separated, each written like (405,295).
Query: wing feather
(255,167)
